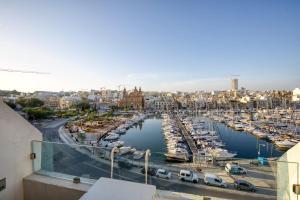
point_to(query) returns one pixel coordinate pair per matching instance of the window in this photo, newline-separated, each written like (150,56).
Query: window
(217,180)
(244,184)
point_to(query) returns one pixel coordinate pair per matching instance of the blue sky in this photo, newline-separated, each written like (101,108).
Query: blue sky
(160,45)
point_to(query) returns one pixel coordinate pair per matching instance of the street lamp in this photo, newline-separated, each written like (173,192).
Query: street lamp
(259,148)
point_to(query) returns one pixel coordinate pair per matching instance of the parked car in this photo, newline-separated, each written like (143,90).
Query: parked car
(244,185)
(211,179)
(234,169)
(151,171)
(186,175)
(162,173)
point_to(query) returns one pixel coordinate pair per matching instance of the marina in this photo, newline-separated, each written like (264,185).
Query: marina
(244,144)
(182,138)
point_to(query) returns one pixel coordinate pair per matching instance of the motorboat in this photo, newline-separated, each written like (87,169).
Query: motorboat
(285,144)
(217,143)
(221,153)
(138,155)
(121,130)
(260,134)
(115,144)
(124,150)
(103,143)
(249,128)
(176,157)
(179,150)
(238,127)
(112,136)
(202,132)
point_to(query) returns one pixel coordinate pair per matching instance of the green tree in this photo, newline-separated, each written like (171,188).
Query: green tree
(81,136)
(82,105)
(30,102)
(38,113)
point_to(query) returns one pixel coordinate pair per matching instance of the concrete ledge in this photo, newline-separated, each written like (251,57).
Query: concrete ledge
(37,187)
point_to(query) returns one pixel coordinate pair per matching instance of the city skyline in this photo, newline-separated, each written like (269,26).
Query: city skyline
(160,46)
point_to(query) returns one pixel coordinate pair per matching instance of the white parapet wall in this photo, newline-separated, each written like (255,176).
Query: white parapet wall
(16,135)
(288,169)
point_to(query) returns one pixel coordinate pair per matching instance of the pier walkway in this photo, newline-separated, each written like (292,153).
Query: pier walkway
(187,137)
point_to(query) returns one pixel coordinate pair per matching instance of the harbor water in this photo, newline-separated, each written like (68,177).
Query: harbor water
(148,135)
(244,144)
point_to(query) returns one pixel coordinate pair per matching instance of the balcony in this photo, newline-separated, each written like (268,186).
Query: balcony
(89,164)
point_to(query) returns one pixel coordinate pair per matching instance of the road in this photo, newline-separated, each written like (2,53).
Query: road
(65,159)
(50,129)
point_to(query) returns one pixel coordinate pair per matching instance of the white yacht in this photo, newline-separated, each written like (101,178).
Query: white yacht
(112,136)
(121,130)
(285,144)
(179,150)
(221,153)
(115,144)
(177,157)
(260,134)
(124,150)
(238,127)
(138,155)
(249,128)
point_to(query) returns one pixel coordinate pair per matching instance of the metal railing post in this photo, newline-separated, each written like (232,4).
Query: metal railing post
(112,161)
(147,155)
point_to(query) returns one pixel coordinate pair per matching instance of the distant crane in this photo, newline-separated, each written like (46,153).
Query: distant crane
(22,71)
(234,75)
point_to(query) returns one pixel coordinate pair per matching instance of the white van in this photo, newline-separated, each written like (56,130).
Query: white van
(234,169)
(186,175)
(211,179)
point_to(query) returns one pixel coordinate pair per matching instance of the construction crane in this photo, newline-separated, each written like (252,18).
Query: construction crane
(235,75)
(22,71)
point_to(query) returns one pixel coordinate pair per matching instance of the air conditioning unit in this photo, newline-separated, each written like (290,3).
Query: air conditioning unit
(296,189)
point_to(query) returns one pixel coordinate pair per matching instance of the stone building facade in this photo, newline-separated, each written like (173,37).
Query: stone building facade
(133,100)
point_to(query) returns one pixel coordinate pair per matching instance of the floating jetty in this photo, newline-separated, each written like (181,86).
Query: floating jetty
(187,137)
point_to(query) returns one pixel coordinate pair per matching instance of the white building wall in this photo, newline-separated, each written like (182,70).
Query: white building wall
(15,148)
(296,94)
(288,169)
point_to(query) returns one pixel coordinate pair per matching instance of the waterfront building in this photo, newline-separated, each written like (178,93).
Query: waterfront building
(296,95)
(133,100)
(110,95)
(52,102)
(67,101)
(151,101)
(43,95)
